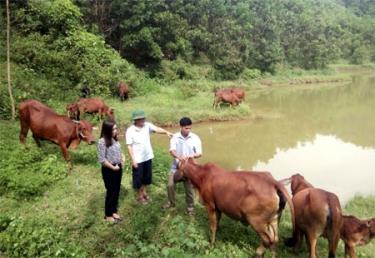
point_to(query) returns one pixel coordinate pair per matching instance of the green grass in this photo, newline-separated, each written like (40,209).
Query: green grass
(66,218)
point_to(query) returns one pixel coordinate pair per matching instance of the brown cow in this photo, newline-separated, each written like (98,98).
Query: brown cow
(356,232)
(92,106)
(123,90)
(45,124)
(225,96)
(240,93)
(254,198)
(317,212)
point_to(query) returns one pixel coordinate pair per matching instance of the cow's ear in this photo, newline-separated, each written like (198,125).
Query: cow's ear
(369,223)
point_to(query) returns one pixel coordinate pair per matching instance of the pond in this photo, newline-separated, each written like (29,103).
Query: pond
(324,132)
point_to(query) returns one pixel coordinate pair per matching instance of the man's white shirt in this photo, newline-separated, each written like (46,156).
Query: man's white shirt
(185,146)
(139,139)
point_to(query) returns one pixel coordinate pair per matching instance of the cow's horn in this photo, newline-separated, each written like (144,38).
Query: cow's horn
(286,181)
(75,121)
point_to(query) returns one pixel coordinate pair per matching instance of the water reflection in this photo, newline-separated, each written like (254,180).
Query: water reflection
(326,132)
(328,163)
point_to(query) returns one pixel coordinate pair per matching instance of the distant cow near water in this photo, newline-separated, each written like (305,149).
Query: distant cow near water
(123,90)
(233,96)
(46,124)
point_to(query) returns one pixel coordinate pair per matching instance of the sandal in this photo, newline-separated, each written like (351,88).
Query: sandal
(142,201)
(190,212)
(168,205)
(111,220)
(117,217)
(147,198)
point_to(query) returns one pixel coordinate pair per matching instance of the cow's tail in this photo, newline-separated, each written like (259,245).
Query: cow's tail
(281,190)
(334,223)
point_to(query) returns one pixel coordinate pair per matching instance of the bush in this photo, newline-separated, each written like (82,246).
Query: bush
(54,55)
(250,74)
(178,69)
(36,238)
(26,173)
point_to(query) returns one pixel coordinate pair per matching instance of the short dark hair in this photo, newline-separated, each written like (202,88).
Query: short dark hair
(185,121)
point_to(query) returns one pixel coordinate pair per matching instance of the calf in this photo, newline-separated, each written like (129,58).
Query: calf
(355,232)
(45,124)
(317,213)
(123,90)
(94,106)
(254,198)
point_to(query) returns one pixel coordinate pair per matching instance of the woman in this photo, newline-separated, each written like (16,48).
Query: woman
(140,150)
(112,161)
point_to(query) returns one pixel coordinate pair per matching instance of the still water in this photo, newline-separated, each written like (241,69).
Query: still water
(324,132)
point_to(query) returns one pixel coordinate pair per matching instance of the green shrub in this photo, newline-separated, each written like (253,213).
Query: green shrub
(37,238)
(28,173)
(250,74)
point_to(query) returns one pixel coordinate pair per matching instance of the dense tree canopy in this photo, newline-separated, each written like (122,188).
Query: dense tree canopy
(63,44)
(233,35)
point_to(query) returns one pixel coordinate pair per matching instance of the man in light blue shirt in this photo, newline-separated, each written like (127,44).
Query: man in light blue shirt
(183,144)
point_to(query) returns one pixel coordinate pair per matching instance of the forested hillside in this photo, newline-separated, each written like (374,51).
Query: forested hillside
(305,73)
(59,45)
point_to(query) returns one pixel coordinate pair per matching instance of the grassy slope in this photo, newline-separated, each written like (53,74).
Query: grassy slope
(170,101)
(76,203)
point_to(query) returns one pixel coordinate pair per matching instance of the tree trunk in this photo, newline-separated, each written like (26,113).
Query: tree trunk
(8,63)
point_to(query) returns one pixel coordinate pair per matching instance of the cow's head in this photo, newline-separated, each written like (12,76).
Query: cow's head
(183,164)
(298,183)
(84,131)
(110,113)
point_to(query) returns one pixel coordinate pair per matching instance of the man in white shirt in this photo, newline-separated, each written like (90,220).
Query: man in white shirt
(183,145)
(140,150)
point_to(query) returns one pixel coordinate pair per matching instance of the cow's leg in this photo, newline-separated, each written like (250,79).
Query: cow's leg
(311,240)
(299,239)
(65,152)
(296,240)
(349,251)
(213,222)
(264,232)
(23,132)
(333,242)
(274,226)
(36,139)
(218,217)
(215,103)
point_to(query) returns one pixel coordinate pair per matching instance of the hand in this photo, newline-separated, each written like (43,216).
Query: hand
(181,158)
(169,134)
(116,167)
(134,164)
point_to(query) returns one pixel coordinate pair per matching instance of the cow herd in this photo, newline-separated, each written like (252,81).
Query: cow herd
(258,200)
(254,198)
